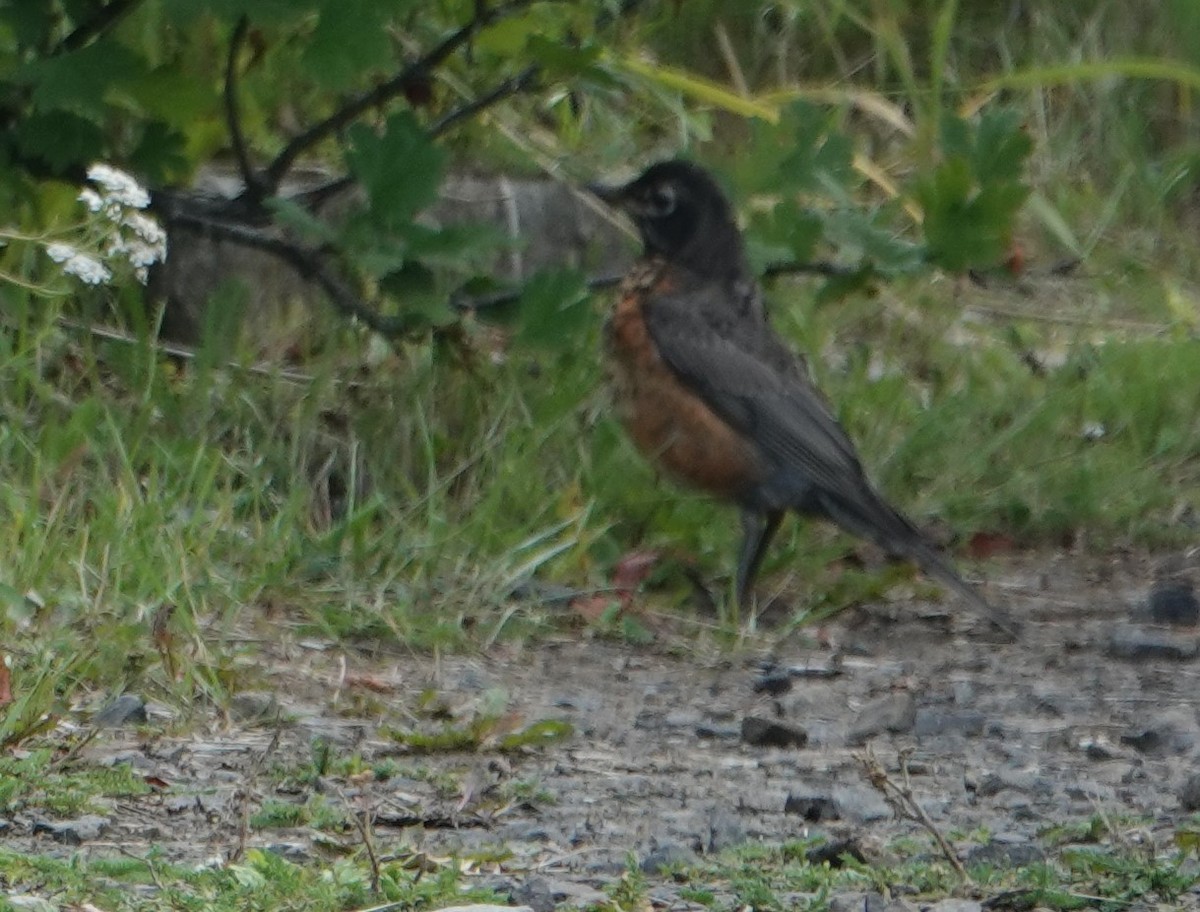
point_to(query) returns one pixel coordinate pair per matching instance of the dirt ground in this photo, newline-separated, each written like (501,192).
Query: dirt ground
(1090,713)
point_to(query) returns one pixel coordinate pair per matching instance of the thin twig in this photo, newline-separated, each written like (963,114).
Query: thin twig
(904,804)
(104,18)
(464,302)
(817,267)
(250,180)
(366,831)
(385,91)
(310,263)
(511,86)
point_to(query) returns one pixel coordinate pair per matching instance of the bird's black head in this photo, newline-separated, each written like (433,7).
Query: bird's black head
(683,216)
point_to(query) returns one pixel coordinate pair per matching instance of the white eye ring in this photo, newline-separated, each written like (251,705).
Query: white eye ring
(661,201)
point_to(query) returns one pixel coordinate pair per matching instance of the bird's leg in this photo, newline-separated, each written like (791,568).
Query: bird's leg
(757,529)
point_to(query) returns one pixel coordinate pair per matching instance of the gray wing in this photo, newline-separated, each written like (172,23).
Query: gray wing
(748,377)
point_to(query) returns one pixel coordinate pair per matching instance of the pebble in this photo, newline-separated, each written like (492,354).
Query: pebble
(253,706)
(725,830)
(860,804)
(834,853)
(574,895)
(667,855)
(1136,643)
(1004,855)
(127,709)
(969,722)
(813,808)
(761,732)
(74,832)
(862,902)
(1189,794)
(1173,602)
(893,712)
(24,902)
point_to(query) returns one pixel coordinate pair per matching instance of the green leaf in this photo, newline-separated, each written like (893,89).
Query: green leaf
(562,60)
(792,228)
(79,81)
(401,168)
(32,23)
(159,156)
(295,217)
(861,238)
(1002,147)
(350,39)
(553,307)
(61,140)
(259,12)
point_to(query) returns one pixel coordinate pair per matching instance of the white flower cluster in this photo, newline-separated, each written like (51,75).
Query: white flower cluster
(126,234)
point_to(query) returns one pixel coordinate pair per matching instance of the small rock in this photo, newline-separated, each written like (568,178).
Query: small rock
(1170,732)
(253,706)
(954,905)
(774,684)
(296,852)
(1004,855)
(725,830)
(761,732)
(1138,644)
(860,804)
(667,855)
(967,722)
(712,732)
(27,903)
(1189,795)
(893,712)
(813,808)
(484,907)
(537,894)
(864,903)
(73,832)
(1173,602)
(835,852)
(127,709)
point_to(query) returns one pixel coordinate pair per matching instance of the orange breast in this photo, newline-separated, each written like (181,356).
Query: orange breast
(669,423)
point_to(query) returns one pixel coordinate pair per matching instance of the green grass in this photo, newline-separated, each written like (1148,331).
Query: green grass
(404,507)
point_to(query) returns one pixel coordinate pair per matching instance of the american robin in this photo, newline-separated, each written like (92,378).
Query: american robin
(708,391)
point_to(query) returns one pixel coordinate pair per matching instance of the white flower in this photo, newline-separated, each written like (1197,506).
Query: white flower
(90,198)
(60,253)
(147,229)
(119,186)
(89,270)
(141,255)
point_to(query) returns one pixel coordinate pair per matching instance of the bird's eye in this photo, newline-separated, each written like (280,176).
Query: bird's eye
(661,201)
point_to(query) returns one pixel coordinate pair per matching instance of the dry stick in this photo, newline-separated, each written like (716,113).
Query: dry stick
(366,831)
(243,794)
(904,804)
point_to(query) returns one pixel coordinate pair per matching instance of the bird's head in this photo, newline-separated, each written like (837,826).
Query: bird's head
(683,216)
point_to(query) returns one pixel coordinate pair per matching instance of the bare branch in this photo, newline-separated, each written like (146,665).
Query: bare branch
(817,267)
(104,19)
(904,804)
(341,118)
(510,86)
(310,262)
(250,180)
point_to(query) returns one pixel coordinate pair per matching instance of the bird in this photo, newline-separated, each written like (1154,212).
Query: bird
(710,393)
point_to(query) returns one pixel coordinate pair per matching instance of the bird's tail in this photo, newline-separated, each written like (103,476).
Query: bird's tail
(875,519)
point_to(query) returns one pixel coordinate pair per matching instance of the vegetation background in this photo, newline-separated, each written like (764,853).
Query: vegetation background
(980,218)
